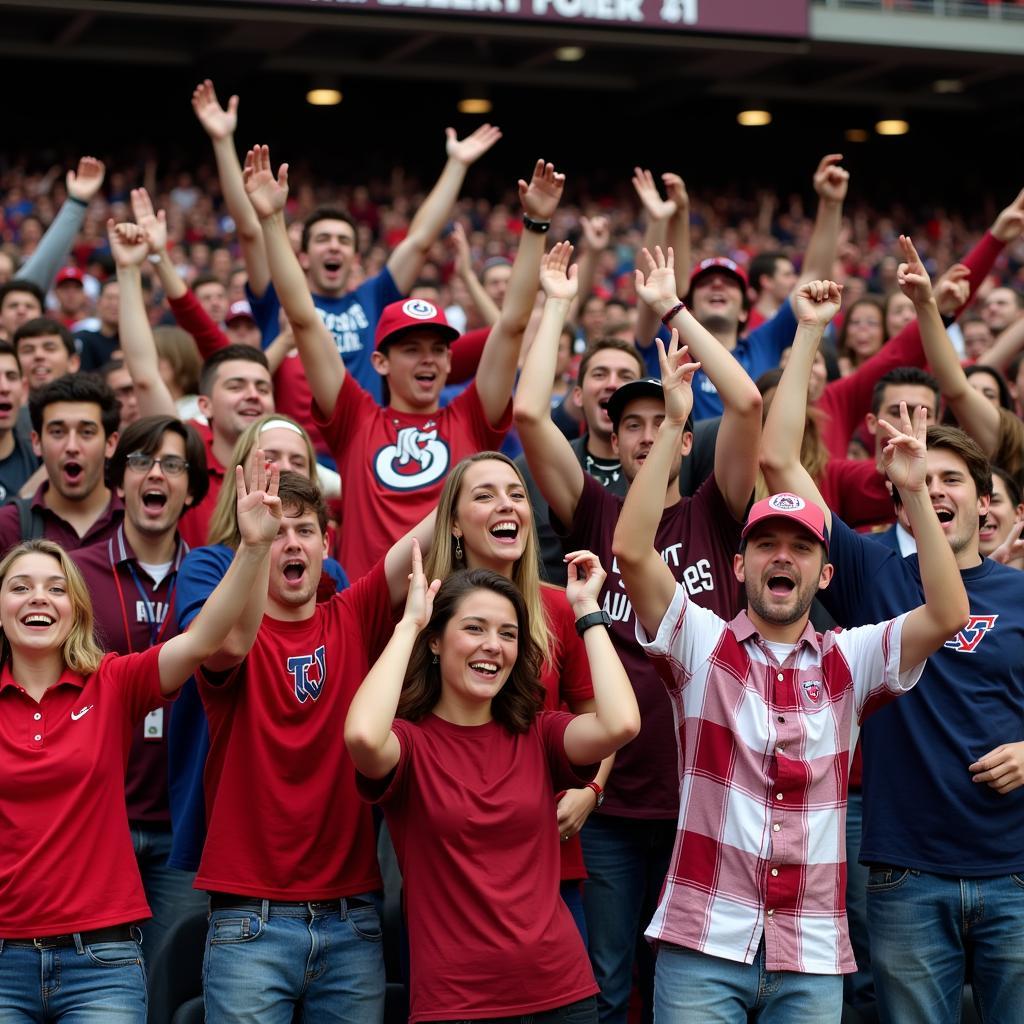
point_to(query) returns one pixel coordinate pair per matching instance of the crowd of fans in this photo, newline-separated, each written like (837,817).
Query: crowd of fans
(643,453)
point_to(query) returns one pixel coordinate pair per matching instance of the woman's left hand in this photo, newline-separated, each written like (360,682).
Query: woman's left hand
(573,809)
(586,578)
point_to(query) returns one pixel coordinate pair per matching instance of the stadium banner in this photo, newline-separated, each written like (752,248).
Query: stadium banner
(736,17)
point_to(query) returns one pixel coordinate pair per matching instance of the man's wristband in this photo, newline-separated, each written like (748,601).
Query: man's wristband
(673,313)
(539,227)
(584,622)
(81,202)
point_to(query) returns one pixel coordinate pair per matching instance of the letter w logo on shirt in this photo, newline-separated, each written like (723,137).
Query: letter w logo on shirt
(967,640)
(308,674)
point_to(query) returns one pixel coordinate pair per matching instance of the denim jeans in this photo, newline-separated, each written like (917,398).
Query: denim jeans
(931,933)
(583,1011)
(859,988)
(102,983)
(169,891)
(286,961)
(572,897)
(694,988)
(626,859)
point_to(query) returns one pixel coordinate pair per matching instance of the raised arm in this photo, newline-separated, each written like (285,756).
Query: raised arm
(82,185)
(372,745)
(399,556)
(658,214)
(496,373)
(679,229)
(324,368)
(552,461)
(129,246)
(485,305)
(946,608)
(815,304)
(596,236)
(830,183)
(740,432)
(407,260)
(220,125)
(591,737)
(232,614)
(648,580)
(975,414)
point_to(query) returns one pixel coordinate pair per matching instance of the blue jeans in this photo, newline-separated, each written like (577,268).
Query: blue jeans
(583,1011)
(260,968)
(694,988)
(859,988)
(626,859)
(931,933)
(572,897)
(102,983)
(169,891)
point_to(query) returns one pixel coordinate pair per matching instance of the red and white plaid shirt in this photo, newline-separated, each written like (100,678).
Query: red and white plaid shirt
(765,755)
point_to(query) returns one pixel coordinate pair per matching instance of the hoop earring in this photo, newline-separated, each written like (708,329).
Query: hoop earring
(458,549)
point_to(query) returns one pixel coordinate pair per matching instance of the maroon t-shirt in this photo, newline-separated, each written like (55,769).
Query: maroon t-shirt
(132,614)
(57,529)
(697,538)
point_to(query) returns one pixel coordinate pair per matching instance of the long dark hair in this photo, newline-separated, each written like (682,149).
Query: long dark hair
(516,705)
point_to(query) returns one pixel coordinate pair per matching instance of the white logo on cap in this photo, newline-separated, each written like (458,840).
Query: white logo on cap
(419,309)
(786,502)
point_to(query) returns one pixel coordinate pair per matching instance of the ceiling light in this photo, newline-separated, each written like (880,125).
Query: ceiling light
(856,135)
(324,97)
(892,126)
(753,118)
(569,54)
(948,85)
(475,105)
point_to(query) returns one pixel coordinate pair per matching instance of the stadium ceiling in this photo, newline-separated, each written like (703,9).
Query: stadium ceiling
(414,44)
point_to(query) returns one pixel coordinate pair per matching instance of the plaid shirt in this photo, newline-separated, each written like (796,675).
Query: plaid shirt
(764,757)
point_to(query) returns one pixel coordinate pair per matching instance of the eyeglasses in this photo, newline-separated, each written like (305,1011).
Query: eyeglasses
(172,465)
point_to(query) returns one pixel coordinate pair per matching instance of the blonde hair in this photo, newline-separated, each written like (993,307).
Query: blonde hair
(441,562)
(224,521)
(81,652)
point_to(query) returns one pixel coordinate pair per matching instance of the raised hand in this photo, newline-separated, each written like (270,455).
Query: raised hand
(541,197)
(649,196)
(911,275)
(675,188)
(557,277)
(259,507)
(468,150)
(419,602)
(460,247)
(216,121)
(586,577)
(152,223)
(676,379)
(128,244)
(953,289)
(656,279)
(904,454)
(830,180)
(1009,223)
(84,183)
(1011,551)
(596,232)
(267,194)
(817,302)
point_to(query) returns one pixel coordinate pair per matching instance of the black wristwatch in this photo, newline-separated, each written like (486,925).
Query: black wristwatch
(539,227)
(584,622)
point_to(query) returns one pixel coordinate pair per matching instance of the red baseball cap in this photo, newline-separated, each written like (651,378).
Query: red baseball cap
(409,314)
(792,507)
(723,265)
(240,310)
(69,274)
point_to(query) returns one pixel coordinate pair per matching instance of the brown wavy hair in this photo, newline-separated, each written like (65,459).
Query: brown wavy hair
(516,705)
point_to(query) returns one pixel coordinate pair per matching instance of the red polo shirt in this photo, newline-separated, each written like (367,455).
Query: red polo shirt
(66,860)
(57,529)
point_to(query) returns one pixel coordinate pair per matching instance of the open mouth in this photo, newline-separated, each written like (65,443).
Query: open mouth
(506,530)
(73,471)
(426,377)
(6,408)
(294,571)
(780,586)
(945,515)
(38,620)
(484,668)
(332,266)
(154,500)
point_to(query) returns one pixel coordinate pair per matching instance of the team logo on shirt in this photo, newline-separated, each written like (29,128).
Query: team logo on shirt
(813,690)
(967,640)
(417,459)
(308,674)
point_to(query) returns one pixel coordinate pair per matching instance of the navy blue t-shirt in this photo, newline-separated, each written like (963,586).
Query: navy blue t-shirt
(351,319)
(921,808)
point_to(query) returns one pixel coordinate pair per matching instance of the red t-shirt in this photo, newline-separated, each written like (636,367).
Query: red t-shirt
(697,538)
(855,491)
(66,859)
(194,525)
(566,679)
(469,811)
(393,464)
(284,819)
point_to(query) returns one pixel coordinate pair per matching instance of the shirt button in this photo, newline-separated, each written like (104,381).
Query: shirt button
(775,872)
(780,677)
(778,796)
(776,827)
(37,716)
(37,737)
(781,718)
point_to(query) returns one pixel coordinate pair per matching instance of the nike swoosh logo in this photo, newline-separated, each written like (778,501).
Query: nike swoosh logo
(76,715)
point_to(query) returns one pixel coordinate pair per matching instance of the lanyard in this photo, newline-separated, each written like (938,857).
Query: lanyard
(156,629)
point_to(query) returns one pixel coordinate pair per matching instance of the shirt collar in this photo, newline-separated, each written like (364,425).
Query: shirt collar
(67,676)
(744,629)
(119,550)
